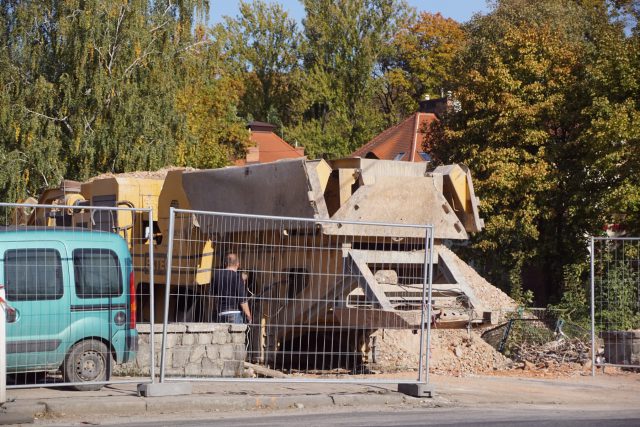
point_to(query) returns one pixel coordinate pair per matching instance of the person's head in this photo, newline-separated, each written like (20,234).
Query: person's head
(232,261)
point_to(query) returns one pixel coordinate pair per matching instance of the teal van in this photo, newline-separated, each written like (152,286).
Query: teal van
(73,299)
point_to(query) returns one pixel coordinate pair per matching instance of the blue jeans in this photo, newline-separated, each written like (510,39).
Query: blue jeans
(230,318)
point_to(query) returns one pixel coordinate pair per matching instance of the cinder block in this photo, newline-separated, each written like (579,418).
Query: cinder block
(212,368)
(197,352)
(181,355)
(204,338)
(237,327)
(226,352)
(220,337)
(238,338)
(188,338)
(200,327)
(231,368)
(213,352)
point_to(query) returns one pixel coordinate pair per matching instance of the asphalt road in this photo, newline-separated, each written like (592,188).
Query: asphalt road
(519,417)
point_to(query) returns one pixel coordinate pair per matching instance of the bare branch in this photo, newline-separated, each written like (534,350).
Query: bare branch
(196,44)
(44,116)
(114,47)
(63,120)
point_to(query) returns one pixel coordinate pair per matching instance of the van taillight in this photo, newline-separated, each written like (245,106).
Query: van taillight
(132,302)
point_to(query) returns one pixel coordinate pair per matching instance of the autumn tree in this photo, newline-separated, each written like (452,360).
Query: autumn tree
(418,63)
(549,107)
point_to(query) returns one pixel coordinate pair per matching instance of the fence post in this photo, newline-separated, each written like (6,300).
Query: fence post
(167,292)
(593,308)
(3,347)
(429,300)
(152,314)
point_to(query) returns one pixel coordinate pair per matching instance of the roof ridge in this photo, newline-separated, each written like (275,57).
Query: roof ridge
(374,141)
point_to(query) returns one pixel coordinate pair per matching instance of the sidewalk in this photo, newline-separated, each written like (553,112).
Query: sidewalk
(122,400)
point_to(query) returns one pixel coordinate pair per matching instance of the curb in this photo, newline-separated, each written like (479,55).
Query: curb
(134,405)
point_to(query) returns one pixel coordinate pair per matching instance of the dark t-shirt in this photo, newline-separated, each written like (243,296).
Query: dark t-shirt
(228,287)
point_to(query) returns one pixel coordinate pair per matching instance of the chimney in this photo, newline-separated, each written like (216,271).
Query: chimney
(436,106)
(253,155)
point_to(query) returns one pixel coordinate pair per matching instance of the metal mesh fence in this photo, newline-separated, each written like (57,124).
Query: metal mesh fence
(77,279)
(289,298)
(615,290)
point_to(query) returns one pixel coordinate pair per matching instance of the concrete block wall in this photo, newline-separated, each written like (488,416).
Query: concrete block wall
(193,350)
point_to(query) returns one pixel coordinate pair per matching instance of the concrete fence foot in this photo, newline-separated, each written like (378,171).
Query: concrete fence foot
(164,389)
(417,390)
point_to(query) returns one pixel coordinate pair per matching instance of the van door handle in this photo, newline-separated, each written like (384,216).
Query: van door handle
(13,315)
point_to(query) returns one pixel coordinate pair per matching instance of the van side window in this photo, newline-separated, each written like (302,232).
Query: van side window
(33,274)
(97,273)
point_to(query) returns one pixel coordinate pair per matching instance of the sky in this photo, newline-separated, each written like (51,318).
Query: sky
(460,10)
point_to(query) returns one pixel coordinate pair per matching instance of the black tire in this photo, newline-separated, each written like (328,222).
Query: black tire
(87,361)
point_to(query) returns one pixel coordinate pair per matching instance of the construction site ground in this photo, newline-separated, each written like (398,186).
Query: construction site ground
(614,390)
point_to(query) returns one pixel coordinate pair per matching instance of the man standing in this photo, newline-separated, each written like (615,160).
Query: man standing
(230,292)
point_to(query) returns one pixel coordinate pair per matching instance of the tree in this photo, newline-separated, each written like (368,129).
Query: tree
(539,84)
(263,42)
(89,87)
(209,99)
(343,42)
(418,63)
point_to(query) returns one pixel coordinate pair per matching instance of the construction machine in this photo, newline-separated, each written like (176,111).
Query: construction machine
(354,289)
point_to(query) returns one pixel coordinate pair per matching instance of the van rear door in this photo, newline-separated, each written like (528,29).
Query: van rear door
(35,274)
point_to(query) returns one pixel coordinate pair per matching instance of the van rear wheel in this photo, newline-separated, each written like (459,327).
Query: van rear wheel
(87,361)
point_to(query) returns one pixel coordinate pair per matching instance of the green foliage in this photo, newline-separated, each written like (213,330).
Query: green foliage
(617,298)
(574,305)
(344,40)
(417,63)
(262,43)
(208,102)
(548,125)
(90,87)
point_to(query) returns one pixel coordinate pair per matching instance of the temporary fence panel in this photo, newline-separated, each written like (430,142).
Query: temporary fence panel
(615,301)
(316,292)
(78,278)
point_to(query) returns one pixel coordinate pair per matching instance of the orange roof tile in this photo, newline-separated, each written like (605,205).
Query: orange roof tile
(270,148)
(405,137)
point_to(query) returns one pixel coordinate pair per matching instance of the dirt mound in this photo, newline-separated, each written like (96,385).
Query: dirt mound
(491,298)
(159,174)
(453,352)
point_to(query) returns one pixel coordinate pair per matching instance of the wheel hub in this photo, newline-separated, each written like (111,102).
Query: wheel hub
(89,365)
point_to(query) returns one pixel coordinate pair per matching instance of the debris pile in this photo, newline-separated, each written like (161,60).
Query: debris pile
(453,352)
(492,298)
(561,351)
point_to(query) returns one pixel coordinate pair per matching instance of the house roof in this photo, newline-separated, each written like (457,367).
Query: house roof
(400,142)
(269,146)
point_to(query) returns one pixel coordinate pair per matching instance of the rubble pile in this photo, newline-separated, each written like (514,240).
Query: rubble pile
(453,352)
(561,351)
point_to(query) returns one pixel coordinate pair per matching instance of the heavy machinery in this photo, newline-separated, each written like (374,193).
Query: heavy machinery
(354,289)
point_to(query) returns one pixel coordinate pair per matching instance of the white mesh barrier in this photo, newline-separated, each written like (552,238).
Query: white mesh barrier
(293,299)
(615,301)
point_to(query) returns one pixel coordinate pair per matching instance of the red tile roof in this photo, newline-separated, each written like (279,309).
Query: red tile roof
(270,148)
(406,137)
